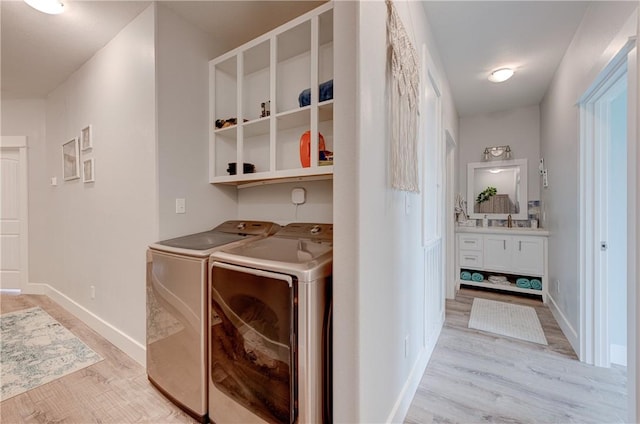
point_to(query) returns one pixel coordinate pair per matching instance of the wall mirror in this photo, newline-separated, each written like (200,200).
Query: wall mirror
(509,178)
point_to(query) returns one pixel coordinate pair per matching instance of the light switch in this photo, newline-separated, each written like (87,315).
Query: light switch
(181,206)
(54,181)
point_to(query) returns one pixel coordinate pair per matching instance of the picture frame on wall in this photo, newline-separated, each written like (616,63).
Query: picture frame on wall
(85,138)
(88,173)
(70,160)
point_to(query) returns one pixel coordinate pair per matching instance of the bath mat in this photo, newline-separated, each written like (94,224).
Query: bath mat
(37,349)
(506,319)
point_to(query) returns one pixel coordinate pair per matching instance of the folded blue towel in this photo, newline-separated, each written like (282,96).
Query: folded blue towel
(536,284)
(465,275)
(325,93)
(304,99)
(477,277)
(523,283)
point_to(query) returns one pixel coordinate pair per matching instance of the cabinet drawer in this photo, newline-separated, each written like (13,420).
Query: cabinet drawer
(470,259)
(470,242)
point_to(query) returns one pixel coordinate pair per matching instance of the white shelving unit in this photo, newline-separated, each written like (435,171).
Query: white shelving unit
(275,68)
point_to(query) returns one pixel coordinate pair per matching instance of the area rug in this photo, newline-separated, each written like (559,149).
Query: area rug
(36,349)
(506,319)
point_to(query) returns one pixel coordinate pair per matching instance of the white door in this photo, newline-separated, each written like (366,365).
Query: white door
(12,218)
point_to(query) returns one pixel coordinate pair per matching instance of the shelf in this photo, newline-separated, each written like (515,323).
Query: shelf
(230,131)
(275,67)
(294,118)
(256,58)
(294,42)
(256,127)
(510,287)
(325,111)
(288,175)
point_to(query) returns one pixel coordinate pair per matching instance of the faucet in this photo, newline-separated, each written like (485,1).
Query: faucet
(509,221)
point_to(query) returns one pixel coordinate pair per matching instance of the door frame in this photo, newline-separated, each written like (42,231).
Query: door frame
(593,305)
(449,213)
(20,143)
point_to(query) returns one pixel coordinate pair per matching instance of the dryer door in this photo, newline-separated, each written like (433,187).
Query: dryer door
(252,355)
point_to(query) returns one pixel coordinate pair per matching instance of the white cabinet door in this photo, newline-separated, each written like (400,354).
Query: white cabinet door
(528,255)
(497,252)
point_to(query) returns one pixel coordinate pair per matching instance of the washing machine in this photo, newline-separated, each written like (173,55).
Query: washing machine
(177,310)
(270,328)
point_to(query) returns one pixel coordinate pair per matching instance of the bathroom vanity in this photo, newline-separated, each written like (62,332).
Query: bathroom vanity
(496,251)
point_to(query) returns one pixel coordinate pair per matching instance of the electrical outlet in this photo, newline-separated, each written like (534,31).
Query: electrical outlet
(93,292)
(181,206)
(558,286)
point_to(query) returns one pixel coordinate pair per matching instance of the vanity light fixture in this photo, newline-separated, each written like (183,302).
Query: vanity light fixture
(497,152)
(51,7)
(501,75)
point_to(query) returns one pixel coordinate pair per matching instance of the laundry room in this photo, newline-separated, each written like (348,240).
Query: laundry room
(152,147)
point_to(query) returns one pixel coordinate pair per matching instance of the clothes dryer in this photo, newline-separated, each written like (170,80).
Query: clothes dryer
(270,328)
(177,310)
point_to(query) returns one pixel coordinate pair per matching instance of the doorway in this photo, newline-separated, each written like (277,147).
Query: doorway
(607,218)
(13,214)
(614,258)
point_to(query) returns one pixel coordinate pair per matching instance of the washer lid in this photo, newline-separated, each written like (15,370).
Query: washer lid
(281,249)
(202,241)
(225,233)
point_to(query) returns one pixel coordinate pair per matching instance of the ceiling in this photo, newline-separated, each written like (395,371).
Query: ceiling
(40,51)
(477,37)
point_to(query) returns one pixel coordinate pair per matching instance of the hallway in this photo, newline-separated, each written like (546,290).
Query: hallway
(475,377)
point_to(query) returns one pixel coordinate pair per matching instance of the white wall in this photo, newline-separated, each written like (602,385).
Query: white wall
(518,128)
(379,295)
(600,36)
(96,233)
(273,203)
(183,54)
(346,274)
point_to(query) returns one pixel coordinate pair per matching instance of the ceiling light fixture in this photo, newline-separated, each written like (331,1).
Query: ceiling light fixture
(500,75)
(52,7)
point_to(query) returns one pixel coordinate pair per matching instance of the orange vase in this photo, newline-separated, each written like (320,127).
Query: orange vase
(305,148)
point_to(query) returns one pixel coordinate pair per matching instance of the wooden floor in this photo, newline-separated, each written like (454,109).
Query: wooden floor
(115,390)
(472,377)
(478,377)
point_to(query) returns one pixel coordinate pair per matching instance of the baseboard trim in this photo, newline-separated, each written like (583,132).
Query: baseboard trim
(618,354)
(567,329)
(114,335)
(401,407)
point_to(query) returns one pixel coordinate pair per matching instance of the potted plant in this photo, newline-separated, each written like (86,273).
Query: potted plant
(486,194)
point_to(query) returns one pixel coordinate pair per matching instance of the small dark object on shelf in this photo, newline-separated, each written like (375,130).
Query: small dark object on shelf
(265,109)
(224,123)
(247,168)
